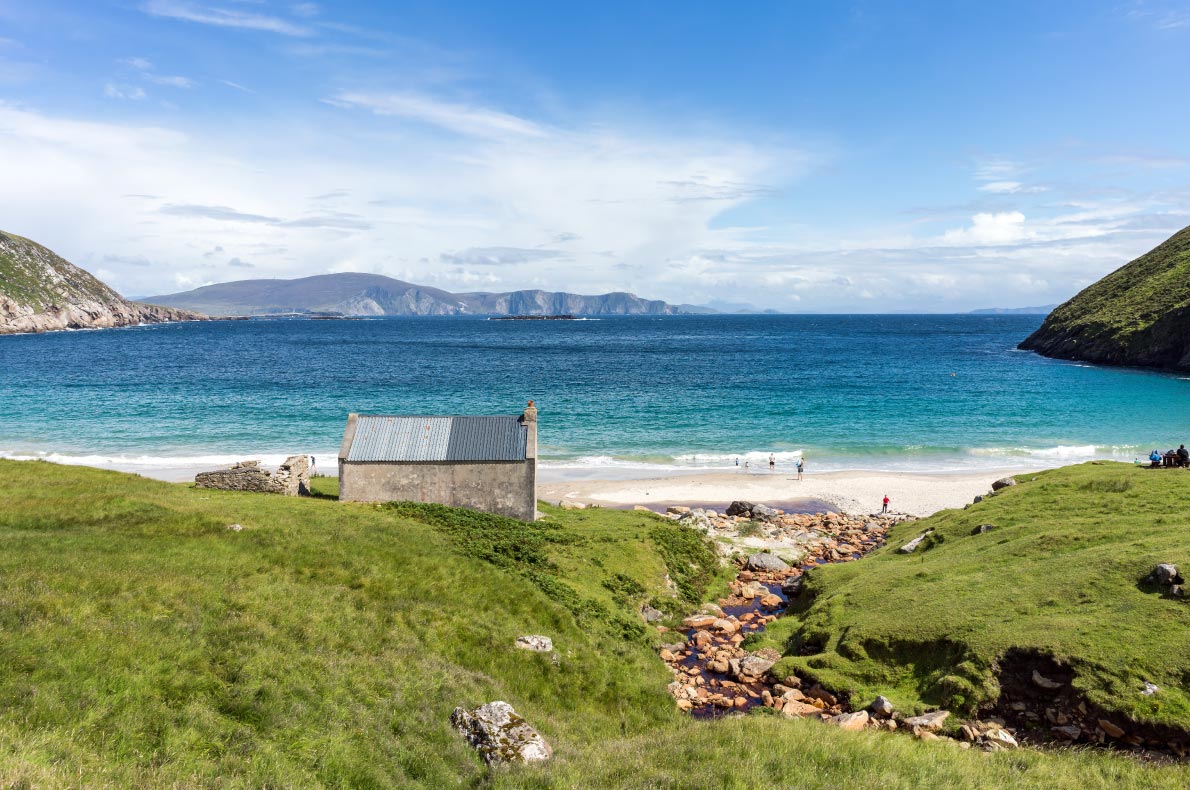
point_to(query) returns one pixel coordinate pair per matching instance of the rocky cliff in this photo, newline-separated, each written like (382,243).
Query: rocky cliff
(354,293)
(1139,315)
(41,292)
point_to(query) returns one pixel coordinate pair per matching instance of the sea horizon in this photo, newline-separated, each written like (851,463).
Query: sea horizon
(933,393)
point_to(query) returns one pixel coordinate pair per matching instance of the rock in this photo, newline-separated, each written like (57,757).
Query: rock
(667,655)
(1111,730)
(793,586)
(566,504)
(685,704)
(1150,689)
(821,694)
(234,527)
(763,513)
(850,721)
(641,509)
(699,621)
(755,666)
(766,562)
(912,545)
(739,508)
(930,722)
(1003,482)
(500,735)
(677,509)
(983,529)
(726,626)
(796,709)
(651,614)
(882,707)
(1001,737)
(770,601)
(1045,683)
(1070,732)
(536,643)
(1166,574)
(977,500)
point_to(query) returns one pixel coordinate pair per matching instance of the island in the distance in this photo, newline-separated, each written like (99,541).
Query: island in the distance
(359,294)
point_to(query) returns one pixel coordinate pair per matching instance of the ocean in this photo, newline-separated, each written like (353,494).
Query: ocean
(618,396)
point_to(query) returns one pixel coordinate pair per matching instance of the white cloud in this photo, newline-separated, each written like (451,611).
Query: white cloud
(173,82)
(131,92)
(1005,227)
(222,17)
(461,118)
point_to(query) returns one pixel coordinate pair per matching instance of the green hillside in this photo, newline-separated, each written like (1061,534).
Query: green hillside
(1058,574)
(143,643)
(33,275)
(1138,315)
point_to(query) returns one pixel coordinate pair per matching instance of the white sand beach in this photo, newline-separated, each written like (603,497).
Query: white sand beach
(918,494)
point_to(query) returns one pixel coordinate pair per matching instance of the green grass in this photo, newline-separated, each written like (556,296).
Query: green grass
(1059,574)
(22,278)
(144,644)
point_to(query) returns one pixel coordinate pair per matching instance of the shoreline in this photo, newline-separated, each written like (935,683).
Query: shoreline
(916,493)
(851,492)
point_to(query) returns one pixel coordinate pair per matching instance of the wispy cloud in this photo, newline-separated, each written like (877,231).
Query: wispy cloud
(129,92)
(223,17)
(461,118)
(220,213)
(237,86)
(171,81)
(499,256)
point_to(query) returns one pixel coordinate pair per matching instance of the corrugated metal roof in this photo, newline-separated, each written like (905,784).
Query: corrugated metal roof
(430,439)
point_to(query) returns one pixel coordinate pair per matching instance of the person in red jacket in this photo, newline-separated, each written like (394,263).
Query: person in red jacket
(885,508)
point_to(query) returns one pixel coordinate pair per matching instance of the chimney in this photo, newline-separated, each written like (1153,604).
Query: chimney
(529,420)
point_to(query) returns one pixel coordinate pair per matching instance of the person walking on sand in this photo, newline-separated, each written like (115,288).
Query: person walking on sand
(884,508)
(772,462)
(800,466)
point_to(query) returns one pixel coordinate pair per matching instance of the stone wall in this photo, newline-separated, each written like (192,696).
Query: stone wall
(506,488)
(292,477)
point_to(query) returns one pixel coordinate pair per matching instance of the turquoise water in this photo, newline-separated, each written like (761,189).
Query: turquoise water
(617,396)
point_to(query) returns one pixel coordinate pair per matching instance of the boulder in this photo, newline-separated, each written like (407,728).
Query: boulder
(699,621)
(766,562)
(983,529)
(977,500)
(795,709)
(882,707)
(912,545)
(740,508)
(500,735)
(1070,732)
(1000,737)
(792,586)
(850,721)
(1110,729)
(651,614)
(1043,682)
(755,666)
(1003,482)
(763,513)
(1166,574)
(930,722)
(536,643)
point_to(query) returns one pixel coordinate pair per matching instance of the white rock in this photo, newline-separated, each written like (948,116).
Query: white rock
(500,735)
(536,643)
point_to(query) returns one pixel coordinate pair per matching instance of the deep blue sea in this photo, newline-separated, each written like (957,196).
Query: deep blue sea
(617,396)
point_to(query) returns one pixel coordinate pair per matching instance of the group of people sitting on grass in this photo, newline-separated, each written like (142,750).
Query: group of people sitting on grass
(1170,458)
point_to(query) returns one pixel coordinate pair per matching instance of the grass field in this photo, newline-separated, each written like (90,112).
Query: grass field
(142,643)
(1058,574)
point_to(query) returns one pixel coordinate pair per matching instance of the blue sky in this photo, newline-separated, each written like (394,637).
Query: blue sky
(863,157)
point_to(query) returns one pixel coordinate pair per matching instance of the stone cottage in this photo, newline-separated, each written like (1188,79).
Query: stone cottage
(483,463)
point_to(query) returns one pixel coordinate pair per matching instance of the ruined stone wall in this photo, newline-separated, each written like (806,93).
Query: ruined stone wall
(292,477)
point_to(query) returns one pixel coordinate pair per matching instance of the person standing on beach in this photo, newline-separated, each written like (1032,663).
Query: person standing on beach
(800,466)
(772,462)
(884,509)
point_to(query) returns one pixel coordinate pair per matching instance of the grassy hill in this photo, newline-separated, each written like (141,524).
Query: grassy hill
(142,643)
(1058,575)
(1138,315)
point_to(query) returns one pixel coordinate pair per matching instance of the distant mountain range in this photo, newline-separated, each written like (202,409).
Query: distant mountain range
(42,292)
(1139,315)
(1045,309)
(356,294)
